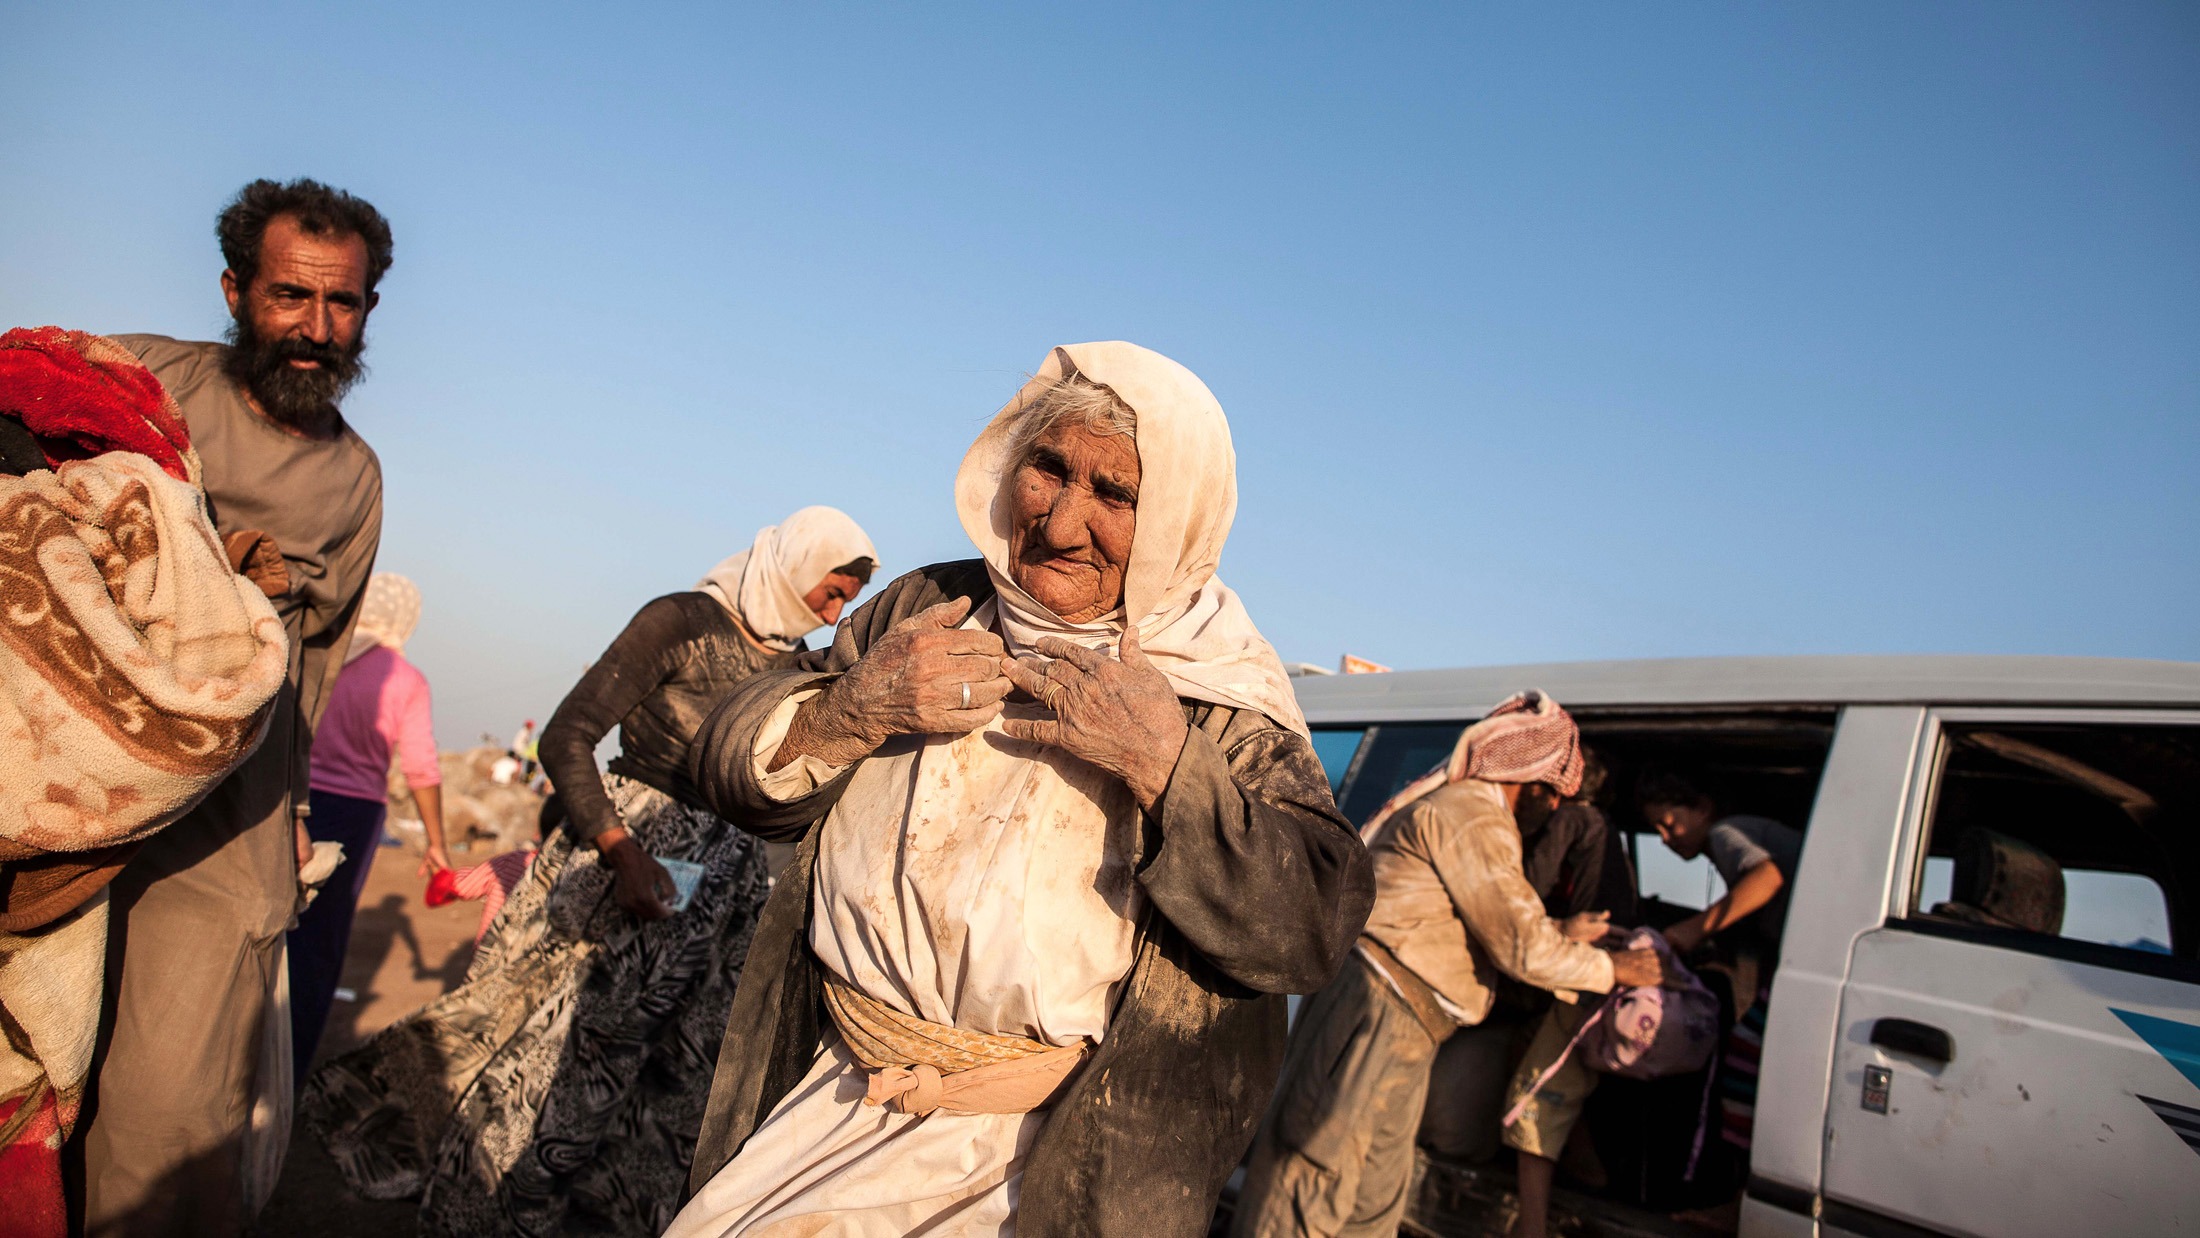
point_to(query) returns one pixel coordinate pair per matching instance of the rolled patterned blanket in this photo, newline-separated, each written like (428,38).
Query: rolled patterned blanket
(136,668)
(136,671)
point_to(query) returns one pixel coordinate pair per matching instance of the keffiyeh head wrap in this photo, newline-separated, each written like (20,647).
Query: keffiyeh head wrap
(387,616)
(764,586)
(1190,624)
(1528,738)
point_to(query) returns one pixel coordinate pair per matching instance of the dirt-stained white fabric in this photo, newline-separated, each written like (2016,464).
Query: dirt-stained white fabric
(977,881)
(764,585)
(1190,624)
(49,988)
(826,1163)
(1452,904)
(387,615)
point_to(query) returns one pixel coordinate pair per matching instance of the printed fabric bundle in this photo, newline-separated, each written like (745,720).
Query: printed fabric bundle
(136,668)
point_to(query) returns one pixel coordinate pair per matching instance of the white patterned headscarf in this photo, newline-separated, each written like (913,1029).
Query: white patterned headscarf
(1190,624)
(387,617)
(764,586)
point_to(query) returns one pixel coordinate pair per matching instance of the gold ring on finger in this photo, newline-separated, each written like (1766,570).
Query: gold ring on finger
(966,694)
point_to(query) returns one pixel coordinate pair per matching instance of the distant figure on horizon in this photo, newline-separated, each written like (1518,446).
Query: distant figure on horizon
(171,1144)
(380,705)
(561,1087)
(526,751)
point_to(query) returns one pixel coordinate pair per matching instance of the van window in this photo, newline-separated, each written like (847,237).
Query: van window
(2073,840)
(1662,875)
(2108,909)
(1334,747)
(1390,757)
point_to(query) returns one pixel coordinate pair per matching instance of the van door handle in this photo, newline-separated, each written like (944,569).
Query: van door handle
(1914,1038)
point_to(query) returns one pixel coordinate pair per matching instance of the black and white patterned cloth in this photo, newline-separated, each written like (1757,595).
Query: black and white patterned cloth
(560,1088)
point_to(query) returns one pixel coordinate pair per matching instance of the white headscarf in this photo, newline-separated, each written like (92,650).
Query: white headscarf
(387,616)
(764,585)
(1189,623)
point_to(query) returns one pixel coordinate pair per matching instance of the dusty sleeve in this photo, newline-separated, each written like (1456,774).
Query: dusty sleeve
(798,778)
(723,764)
(728,775)
(415,738)
(1254,864)
(1479,865)
(639,659)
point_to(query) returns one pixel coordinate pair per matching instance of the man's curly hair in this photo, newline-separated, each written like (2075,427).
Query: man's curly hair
(319,210)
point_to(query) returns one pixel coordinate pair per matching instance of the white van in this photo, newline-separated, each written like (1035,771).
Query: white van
(1926,1069)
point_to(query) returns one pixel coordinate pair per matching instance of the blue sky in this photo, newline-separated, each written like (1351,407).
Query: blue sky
(1599,331)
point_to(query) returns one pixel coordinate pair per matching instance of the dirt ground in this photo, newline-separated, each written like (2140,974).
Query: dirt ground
(403,954)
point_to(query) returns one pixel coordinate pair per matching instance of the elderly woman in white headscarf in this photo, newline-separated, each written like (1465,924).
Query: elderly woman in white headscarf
(1064,846)
(560,1088)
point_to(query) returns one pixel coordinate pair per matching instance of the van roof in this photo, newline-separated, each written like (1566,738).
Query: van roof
(1468,692)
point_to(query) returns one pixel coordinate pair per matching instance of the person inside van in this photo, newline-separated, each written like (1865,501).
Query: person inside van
(1755,857)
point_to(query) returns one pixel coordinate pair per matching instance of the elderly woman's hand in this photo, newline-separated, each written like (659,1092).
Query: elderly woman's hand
(1117,713)
(926,676)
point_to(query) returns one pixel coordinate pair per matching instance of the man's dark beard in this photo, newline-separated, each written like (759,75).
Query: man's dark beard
(292,396)
(1534,809)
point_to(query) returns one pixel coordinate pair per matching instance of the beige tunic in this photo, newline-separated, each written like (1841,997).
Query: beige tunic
(198,914)
(977,881)
(1452,903)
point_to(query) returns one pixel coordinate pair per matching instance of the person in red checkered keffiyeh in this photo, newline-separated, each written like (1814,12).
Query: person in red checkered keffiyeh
(1454,911)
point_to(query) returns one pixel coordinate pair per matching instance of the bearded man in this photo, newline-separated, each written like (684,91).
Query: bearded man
(199,914)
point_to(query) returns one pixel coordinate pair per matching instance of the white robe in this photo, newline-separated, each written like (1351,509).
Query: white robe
(978,881)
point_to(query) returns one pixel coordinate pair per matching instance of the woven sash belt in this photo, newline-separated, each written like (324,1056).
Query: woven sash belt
(1409,988)
(917,1066)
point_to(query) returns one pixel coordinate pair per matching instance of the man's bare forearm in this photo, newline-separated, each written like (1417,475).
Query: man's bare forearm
(1749,896)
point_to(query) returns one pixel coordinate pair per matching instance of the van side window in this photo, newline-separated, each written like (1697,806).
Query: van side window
(1334,747)
(1662,875)
(1391,756)
(2076,840)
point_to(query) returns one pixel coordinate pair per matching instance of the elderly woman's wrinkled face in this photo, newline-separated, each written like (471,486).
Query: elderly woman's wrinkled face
(1073,508)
